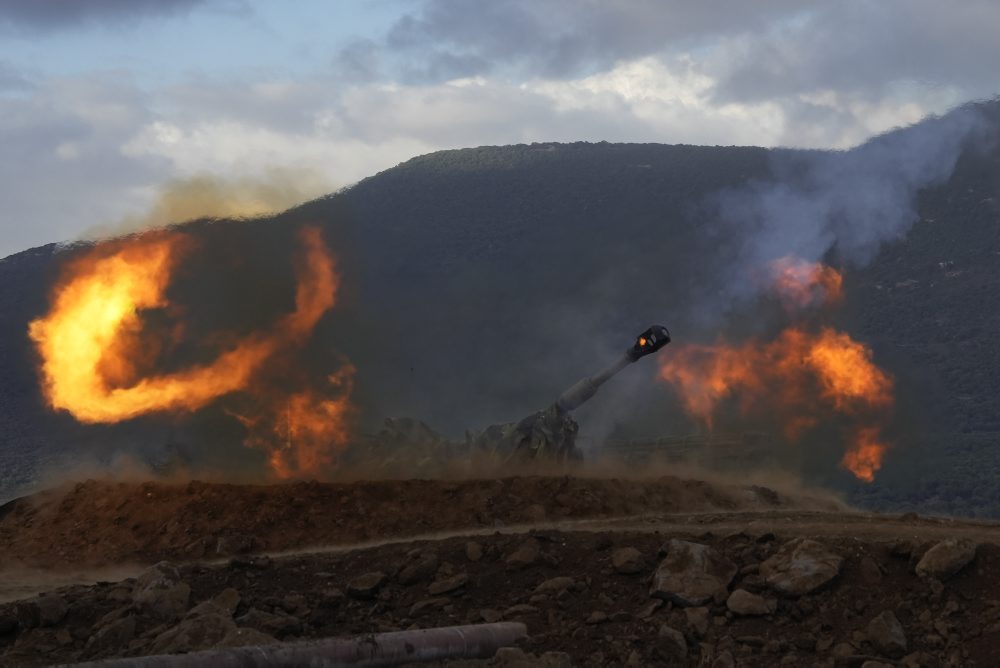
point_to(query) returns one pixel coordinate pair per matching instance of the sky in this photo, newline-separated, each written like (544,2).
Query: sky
(106,103)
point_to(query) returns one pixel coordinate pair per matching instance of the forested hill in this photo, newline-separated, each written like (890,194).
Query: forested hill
(479,283)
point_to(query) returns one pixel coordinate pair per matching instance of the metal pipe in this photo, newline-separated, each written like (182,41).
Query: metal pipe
(584,389)
(475,641)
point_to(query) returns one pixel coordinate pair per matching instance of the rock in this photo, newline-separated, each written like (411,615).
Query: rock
(489,615)
(842,650)
(526,554)
(223,604)
(597,617)
(473,551)
(193,634)
(112,635)
(554,585)
(44,610)
(691,574)
(422,567)
(886,634)
(275,624)
(519,610)
(870,571)
(331,597)
(697,619)
(510,657)
(238,544)
(627,560)
(244,637)
(649,609)
(946,559)
(160,592)
(672,641)
(420,607)
(294,604)
(742,602)
(448,584)
(724,659)
(366,586)
(800,566)
(875,664)
(556,660)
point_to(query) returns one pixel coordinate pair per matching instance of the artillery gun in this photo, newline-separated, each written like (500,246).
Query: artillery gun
(550,434)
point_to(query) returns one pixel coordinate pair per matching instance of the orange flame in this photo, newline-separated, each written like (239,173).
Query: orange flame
(92,343)
(864,458)
(798,377)
(305,431)
(801,284)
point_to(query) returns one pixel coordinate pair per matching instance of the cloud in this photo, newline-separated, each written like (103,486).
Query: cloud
(62,166)
(858,47)
(451,74)
(11,79)
(566,38)
(825,65)
(58,14)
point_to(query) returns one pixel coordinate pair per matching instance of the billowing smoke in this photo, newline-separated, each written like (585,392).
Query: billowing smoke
(216,196)
(847,203)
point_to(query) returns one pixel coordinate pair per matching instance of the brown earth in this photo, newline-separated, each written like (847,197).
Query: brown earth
(98,523)
(596,605)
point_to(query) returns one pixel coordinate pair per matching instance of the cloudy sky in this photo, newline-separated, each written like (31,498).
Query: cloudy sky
(105,102)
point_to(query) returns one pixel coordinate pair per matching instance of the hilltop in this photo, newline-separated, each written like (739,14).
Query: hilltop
(491,278)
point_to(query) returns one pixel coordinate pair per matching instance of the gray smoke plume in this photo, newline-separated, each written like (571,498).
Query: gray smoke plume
(844,203)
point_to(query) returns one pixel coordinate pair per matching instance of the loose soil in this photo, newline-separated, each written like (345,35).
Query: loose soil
(599,617)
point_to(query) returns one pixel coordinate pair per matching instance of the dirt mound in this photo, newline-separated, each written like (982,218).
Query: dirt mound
(105,523)
(603,598)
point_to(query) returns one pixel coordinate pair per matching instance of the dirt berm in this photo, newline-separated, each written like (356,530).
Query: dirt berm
(107,523)
(602,572)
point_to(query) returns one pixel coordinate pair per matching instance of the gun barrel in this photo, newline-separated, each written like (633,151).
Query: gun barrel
(587,387)
(650,341)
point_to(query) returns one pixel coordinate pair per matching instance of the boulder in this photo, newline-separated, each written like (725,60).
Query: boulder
(742,602)
(420,607)
(275,624)
(193,634)
(238,544)
(473,551)
(243,637)
(113,634)
(723,659)
(366,586)
(526,554)
(697,619)
(886,634)
(489,615)
(422,567)
(627,560)
(691,574)
(800,566)
(448,585)
(44,610)
(672,641)
(160,592)
(223,604)
(946,559)
(554,585)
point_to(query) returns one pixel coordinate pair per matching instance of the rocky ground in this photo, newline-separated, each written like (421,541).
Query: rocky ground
(742,588)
